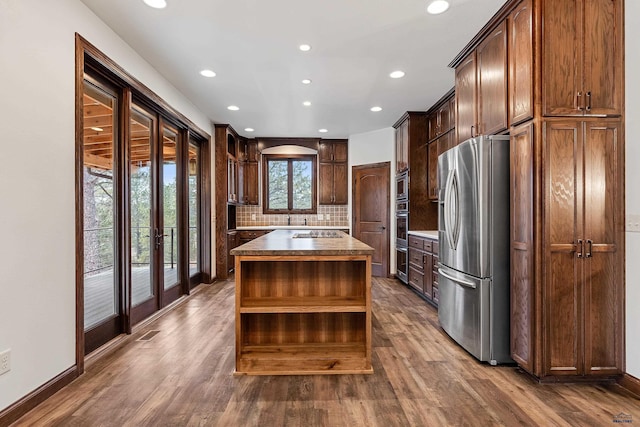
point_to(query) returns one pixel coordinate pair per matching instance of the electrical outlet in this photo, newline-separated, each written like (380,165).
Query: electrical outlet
(320,217)
(253,217)
(5,361)
(633,223)
(328,217)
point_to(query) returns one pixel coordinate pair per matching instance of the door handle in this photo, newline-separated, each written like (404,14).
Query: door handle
(462,282)
(579,101)
(580,248)
(589,248)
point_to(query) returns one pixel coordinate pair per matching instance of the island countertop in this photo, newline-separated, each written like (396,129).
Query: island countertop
(285,243)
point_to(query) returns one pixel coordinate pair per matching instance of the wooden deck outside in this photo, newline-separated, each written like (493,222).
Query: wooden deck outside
(99,297)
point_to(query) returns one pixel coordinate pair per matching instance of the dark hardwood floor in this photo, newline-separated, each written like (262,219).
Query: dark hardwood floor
(183,376)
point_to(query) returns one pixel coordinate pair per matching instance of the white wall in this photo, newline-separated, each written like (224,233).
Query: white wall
(37,199)
(632,58)
(376,147)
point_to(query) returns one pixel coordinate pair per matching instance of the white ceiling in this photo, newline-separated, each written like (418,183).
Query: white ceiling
(252,45)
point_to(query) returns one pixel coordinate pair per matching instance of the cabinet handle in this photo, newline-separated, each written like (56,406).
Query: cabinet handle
(588,101)
(581,248)
(472,130)
(579,101)
(589,248)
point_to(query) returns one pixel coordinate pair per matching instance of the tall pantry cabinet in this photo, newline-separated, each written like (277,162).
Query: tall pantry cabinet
(566,121)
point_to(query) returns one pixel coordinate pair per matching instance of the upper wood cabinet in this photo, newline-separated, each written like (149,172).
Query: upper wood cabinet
(441,121)
(466,99)
(481,88)
(521,63)
(582,51)
(491,58)
(402,147)
(333,170)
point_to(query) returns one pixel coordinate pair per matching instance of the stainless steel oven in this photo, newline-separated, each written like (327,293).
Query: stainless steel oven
(402,186)
(402,226)
(402,263)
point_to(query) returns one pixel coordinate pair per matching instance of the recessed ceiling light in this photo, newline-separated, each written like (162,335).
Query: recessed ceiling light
(208,73)
(376,109)
(306,82)
(233,108)
(323,130)
(306,103)
(305,47)
(156,4)
(438,6)
(97,129)
(396,74)
(249,129)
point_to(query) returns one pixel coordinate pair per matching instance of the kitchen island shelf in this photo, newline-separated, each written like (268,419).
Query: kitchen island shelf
(303,306)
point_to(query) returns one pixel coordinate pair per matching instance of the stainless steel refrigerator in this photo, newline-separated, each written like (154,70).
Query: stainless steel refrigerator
(473,229)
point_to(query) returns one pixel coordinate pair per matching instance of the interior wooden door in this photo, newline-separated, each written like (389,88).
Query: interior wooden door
(564,248)
(604,207)
(371,207)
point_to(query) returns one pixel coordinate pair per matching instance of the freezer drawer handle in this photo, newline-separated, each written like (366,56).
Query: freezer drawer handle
(462,282)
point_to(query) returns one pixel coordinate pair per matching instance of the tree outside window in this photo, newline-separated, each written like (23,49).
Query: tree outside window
(289,184)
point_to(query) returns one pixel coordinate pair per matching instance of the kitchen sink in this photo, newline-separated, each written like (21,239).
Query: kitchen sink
(315,234)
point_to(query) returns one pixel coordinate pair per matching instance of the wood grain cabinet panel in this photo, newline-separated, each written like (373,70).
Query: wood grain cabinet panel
(582,57)
(432,159)
(466,99)
(402,147)
(491,57)
(333,170)
(520,57)
(582,292)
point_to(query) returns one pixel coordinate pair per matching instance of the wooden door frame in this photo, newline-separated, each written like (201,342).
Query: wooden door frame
(386,165)
(88,57)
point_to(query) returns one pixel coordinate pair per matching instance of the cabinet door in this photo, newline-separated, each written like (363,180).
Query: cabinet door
(252,151)
(433,126)
(325,175)
(603,262)
(563,253)
(399,151)
(432,167)
(232,180)
(562,93)
(325,152)
(427,282)
(340,152)
(405,144)
(492,82)
(250,178)
(603,52)
(523,284)
(340,184)
(466,99)
(521,63)
(443,118)
(452,115)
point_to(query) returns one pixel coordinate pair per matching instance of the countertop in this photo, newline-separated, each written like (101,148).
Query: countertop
(293,227)
(430,234)
(281,242)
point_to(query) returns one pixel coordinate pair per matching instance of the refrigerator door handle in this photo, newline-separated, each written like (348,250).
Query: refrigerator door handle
(453,279)
(451,209)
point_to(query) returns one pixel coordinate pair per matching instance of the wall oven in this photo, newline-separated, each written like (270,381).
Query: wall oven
(402,263)
(402,186)
(402,225)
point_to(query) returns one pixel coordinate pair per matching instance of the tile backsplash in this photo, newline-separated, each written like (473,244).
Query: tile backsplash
(326,216)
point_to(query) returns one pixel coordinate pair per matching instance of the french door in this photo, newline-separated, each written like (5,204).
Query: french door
(155,255)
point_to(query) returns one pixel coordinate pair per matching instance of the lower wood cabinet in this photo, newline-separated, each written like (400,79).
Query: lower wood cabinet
(423,267)
(245,236)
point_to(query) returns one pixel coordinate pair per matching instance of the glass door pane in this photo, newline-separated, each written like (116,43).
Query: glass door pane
(140,172)
(169,206)
(101,292)
(194,208)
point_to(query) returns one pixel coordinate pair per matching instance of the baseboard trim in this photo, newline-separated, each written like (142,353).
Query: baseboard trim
(631,383)
(15,411)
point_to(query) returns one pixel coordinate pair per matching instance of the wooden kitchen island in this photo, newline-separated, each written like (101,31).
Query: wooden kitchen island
(303,304)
